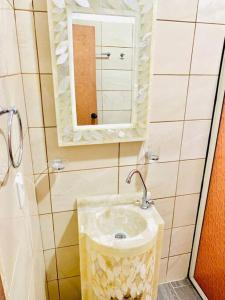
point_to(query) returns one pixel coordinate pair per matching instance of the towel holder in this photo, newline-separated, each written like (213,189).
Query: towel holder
(11,113)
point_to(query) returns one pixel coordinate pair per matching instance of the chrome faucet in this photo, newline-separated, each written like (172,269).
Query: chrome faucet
(145,203)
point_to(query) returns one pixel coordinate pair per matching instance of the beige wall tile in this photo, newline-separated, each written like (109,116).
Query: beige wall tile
(160,179)
(211,11)
(66,228)
(9,58)
(70,288)
(173,44)
(27,41)
(53,290)
(23,4)
(33,100)
(201,97)
(165,140)
(68,261)
(165,208)
(163,269)
(47,231)
(207,50)
(50,264)
(132,154)
(190,176)
(37,138)
(178,267)
(66,187)
(114,100)
(195,139)
(177,10)
(48,100)
(181,240)
(168,98)
(81,157)
(166,243)
(43,44)
(40,5)
(185,210)
(43,193)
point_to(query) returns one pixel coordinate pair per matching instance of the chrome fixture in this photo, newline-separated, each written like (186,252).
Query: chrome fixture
(145,203)
(12,112)
(57,164)
(105,55)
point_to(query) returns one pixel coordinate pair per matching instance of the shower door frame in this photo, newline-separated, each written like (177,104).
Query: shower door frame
(218,105)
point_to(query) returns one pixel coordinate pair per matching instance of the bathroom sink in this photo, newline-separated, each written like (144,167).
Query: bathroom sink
(120,247)
(121,223)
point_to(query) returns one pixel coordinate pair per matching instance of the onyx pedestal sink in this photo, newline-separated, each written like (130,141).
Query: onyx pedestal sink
(120,248)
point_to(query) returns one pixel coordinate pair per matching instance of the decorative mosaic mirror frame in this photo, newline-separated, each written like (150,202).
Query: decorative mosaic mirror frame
(59,14)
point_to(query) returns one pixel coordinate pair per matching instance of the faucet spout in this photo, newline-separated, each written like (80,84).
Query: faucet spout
(146,203)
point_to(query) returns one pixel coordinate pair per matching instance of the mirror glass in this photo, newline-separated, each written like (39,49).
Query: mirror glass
(103,62)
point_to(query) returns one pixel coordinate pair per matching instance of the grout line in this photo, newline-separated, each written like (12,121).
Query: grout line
(190,22)
(194,74)
(187,93)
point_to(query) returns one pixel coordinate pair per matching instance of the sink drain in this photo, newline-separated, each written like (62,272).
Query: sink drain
(120,235)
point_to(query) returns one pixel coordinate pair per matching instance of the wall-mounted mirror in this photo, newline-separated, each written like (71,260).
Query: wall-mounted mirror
(101,69)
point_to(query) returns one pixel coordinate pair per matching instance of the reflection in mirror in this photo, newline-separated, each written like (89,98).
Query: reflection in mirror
(104,68)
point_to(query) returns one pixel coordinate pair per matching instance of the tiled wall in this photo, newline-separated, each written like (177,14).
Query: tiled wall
(22,267)
(188,41)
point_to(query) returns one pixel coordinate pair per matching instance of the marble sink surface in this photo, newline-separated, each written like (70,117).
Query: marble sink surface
(120,247)
(117,221)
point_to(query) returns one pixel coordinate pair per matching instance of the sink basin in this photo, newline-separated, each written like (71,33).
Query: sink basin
(128,222)
(120,246)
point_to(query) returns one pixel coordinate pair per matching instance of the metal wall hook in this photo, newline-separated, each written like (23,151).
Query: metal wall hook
(11,113)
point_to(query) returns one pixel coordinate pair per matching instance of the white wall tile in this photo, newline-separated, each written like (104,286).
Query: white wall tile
(181,240)
(67,186)
(117,34)
(178,267)
(23,4)
(168,98)
(211,11)
(190,176)
(48,100)
(43,193)
(195,139)
(166,243)
(165,140)
(68,261)
(70,288)
(184,10)
(165,208)
(66,228)
(116,117)
(185,211)
(27,41)
(160,179)
(50,264)
(115,61)
(37,139)
(163,269)
(207,50)
(33,100)
(47,231)
(9,58)
(116,80)
(114,100)
(201,97)
(82,157)
(43,44)
(173,45)
(40,5)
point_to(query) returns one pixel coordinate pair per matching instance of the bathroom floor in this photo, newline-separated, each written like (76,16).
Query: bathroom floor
(178,290)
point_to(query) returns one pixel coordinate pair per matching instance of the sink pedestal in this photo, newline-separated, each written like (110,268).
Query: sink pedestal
(117,269)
